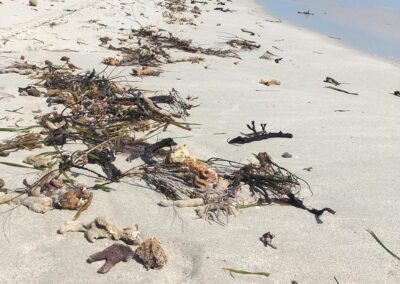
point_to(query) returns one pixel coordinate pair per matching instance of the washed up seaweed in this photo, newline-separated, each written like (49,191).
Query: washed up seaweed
(382,245)
(153,46)
(177,11)
(258,135)
(243,44)
(27,141)
(331,81)
(219,183)
(105,117)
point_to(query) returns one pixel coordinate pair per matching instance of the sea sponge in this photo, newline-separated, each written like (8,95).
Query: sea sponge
(151,254)
(102,228)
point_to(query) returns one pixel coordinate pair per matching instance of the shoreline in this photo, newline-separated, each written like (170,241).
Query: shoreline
(344,146)
(327,39)
(340,42)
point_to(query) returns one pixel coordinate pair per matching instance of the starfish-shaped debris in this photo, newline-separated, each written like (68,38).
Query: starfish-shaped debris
(266,239)
(113,254)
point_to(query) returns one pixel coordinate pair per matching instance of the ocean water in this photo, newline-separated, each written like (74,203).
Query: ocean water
(372,26)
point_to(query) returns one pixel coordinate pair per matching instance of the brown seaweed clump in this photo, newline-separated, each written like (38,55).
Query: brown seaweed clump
(151,254)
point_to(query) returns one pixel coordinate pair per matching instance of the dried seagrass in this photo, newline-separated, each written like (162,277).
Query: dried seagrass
(243,44)
(24,141)
(178,179)
(153,48)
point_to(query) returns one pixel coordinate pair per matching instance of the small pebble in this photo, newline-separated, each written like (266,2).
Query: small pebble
(287,155)
(33,3)
(2,183)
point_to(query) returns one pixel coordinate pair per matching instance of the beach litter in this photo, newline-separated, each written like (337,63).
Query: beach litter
(258,135)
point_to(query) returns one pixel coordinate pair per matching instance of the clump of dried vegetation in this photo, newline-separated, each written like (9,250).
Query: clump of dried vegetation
(151,47)
(106,117)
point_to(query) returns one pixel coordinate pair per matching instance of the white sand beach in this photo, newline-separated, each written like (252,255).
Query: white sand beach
(350,141)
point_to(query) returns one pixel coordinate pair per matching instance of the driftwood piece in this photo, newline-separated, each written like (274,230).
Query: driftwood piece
(258,135)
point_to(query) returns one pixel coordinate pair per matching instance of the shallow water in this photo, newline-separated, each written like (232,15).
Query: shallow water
(372,26)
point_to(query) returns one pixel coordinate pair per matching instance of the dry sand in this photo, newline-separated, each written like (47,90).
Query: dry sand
(354,155)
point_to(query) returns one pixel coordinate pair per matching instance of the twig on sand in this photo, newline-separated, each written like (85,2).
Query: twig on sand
(340,90)
(258,135)
(382,245)
(233,270)
(331,81)
(274,21)
(307,13)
